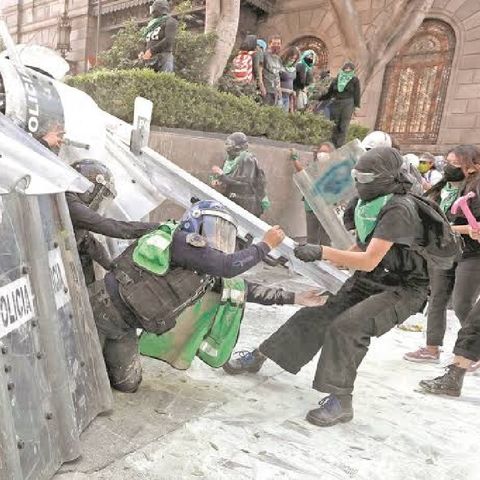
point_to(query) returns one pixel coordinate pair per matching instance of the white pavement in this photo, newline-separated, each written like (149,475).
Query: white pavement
(204,424)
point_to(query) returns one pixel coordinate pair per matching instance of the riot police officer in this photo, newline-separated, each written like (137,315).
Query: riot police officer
(241,179)
(85,218)
(160,36)
(161,275)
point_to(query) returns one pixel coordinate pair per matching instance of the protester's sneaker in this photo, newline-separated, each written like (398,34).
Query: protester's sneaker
(245,362)
(449,384)
(333,409)
(423,355)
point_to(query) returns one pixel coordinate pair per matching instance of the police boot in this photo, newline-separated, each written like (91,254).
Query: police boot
(333,409)
(449,384)
(245,362)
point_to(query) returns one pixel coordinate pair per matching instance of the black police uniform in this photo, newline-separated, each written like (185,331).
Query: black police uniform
(86,220)
(130,297)
(240,185)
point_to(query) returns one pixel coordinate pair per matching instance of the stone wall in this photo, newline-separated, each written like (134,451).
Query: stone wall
(197,152)
(461,116)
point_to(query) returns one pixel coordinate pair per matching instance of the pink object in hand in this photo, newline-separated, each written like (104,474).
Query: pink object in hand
(462,204)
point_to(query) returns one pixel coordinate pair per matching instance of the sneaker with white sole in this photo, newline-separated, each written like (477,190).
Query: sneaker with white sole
(423,355)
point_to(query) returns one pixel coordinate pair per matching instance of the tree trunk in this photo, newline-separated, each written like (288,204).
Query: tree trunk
(222,17)
(372,54)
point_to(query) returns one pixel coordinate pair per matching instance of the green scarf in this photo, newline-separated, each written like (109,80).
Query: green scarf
(308,53)
(152,25)
(448,195)
(366,214)
(343,79)
(231,164)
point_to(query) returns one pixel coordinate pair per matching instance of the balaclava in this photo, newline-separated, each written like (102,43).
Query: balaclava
(386,164)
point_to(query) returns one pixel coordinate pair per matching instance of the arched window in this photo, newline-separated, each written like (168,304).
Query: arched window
(315,44)
(415,85)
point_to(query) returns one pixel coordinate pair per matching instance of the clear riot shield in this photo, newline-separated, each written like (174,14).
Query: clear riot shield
(328,184)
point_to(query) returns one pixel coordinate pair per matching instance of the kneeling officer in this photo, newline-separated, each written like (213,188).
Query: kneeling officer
(163,278)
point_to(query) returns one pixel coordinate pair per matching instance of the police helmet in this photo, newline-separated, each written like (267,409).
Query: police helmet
(213,222)
(236,143)
(159,8)
(101,178)
(377,139)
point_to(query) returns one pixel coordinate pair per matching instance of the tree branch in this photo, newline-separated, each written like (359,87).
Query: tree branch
(400,33)
(348,21)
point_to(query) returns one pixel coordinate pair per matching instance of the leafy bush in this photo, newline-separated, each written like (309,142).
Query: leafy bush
(180,104)
(192,51)
(357,131)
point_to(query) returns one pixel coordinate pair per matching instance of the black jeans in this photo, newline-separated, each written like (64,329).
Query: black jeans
(461,283)
(342,328)
(468,340)
(341,115)
(316,234)
(441,288)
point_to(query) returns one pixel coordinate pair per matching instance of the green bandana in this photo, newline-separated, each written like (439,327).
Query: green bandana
(305,54)
(152,25)
(366,214)
(231,164)
(448,195)
(343,79)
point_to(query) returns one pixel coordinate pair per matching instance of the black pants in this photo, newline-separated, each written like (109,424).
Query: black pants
(342,328)
(441,288)
(468,340)
(463,285)
(341,115)
(316,234)
(118,338)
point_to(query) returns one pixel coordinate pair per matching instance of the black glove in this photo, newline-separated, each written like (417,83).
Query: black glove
(308,253)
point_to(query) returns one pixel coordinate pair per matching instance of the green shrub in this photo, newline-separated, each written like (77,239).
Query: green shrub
(180,104)
(357,131)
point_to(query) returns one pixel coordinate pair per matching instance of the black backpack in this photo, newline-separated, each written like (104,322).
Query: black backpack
(441,247)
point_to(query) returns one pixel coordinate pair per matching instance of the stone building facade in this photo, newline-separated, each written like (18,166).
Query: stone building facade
(428,96)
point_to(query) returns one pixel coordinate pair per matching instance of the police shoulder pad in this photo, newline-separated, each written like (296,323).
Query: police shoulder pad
(196,240)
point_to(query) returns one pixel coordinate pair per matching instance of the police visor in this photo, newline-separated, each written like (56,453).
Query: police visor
(219,230)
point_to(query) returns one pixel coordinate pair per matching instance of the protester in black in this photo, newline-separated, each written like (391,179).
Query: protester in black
(390,284)
(345,90)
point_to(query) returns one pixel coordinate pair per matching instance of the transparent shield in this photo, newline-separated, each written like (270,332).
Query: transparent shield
(325,185)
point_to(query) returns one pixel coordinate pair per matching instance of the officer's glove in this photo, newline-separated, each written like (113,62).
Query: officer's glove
(308,252)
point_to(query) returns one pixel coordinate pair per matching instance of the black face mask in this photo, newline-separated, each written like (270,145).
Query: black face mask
(453,174)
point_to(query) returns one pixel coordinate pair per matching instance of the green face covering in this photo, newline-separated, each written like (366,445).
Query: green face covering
(366,214)
(424,167)
(231,164)
(448,195)
(343,79)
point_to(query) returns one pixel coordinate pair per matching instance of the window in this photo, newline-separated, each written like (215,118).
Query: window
(315,44)
(415,85)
